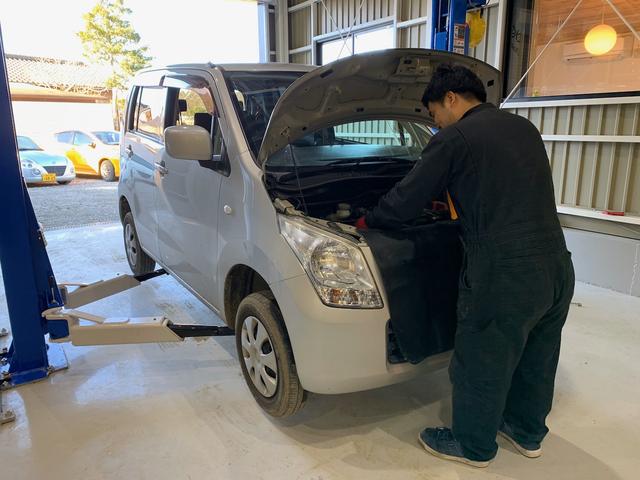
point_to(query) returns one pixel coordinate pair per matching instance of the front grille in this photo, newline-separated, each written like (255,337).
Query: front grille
(57,169)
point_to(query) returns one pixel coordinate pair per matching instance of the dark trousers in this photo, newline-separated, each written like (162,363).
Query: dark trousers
(513,302)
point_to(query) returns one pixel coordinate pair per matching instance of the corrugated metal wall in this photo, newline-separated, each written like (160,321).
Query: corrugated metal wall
(591,173)
(311,22)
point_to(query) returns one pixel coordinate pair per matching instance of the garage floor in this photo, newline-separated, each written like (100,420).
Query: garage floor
(182,411)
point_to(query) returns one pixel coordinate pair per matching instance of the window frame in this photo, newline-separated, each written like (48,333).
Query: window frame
(352,36)
(506,57)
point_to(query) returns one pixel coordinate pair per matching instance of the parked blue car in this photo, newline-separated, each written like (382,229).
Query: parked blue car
(39,166)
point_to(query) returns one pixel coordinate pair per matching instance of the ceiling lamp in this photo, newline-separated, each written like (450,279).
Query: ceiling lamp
(600,39)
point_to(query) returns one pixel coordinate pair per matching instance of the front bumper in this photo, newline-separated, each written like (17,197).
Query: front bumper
(341,350)
(32,179)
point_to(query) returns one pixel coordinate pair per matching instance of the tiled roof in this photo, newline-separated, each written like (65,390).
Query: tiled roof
(56,74)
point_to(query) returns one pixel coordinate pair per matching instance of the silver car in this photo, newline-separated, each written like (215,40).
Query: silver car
(244,183)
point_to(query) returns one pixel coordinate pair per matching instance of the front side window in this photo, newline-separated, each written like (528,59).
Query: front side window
(64,137)
(81,139)
(150,111)
(195,106)
(255,95)
(356,143)
(594,53)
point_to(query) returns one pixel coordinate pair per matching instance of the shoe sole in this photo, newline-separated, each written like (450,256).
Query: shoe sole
(444,456)
(527,453)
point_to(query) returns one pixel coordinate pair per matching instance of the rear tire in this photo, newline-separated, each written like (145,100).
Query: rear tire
(266,357)
(139,262)
(107,171)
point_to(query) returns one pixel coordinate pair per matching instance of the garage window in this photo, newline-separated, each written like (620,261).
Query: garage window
(366,41)
(576,62)
(150,112)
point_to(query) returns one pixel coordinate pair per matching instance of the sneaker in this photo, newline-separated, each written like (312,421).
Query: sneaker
(441,443)
(529,450)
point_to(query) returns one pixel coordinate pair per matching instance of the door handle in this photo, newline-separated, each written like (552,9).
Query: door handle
(129,151)
(162,170)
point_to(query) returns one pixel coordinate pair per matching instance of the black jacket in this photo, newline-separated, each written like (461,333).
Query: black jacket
(495,167)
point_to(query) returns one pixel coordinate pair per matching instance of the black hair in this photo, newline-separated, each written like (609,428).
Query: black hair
(456,79)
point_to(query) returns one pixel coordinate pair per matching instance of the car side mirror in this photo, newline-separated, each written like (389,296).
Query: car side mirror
(188,142)
(92,144)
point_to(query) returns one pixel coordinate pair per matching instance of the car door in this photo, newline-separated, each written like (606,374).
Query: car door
(142,146)
(83,151)
(65,140)
(188,191)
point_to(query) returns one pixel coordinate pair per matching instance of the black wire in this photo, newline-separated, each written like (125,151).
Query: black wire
(295,168)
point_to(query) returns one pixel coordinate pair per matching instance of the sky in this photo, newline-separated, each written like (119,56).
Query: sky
(176,31)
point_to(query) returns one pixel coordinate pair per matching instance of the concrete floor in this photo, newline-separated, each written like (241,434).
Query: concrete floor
(182,411)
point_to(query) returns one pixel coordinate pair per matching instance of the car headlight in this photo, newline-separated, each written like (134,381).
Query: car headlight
(337,268)
(26,164)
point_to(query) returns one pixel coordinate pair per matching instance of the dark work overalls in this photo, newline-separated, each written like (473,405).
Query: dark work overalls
(517,278)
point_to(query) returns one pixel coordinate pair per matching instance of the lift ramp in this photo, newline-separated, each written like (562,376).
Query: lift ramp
(91,329)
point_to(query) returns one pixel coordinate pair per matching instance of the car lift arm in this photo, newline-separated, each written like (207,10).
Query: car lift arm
(105,331)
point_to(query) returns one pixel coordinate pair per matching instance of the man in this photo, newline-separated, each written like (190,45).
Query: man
(517,279)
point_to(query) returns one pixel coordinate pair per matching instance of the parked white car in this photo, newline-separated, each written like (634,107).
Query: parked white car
(244,182)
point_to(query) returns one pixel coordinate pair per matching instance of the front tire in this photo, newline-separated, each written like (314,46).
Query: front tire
(139,262)
(64,182)
(107,171)
(266,357)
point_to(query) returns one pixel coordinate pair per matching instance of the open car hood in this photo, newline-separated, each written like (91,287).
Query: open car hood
(384,84)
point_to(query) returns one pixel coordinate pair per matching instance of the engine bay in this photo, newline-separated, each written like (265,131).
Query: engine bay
(341,197)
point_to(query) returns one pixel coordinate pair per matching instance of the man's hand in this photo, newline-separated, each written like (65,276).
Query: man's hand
(361,224)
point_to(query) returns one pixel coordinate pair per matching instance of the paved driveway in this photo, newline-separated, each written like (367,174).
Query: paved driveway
(85,201)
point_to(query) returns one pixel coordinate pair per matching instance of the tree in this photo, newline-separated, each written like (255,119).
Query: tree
(109,39)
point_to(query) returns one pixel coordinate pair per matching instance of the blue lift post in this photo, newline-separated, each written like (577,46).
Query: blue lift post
(29,283)
(450,29)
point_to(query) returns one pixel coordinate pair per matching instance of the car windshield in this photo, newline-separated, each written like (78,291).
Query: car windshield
(108,138)
(25,143)
(356,143)
(255,95)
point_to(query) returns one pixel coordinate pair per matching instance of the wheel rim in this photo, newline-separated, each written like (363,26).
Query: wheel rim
(130,243)
(259,357)
(104,169)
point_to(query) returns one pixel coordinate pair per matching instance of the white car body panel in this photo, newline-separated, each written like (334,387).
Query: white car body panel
(200,224)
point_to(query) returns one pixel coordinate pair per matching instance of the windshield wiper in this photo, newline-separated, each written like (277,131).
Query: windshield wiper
(358,161)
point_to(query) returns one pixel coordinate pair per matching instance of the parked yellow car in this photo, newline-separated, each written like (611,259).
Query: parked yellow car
(92,153)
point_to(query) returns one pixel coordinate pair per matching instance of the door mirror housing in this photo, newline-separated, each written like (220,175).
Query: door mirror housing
(188,142)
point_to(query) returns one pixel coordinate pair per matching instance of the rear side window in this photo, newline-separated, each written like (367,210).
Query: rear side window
(150,112)
(64,137)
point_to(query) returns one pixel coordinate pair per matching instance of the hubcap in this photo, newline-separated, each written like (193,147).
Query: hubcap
(104,169)
(259,357)
(130,243)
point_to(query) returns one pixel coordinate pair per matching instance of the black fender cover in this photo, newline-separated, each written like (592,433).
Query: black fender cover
(420,268)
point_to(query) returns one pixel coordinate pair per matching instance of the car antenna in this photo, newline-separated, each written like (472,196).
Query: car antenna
(295,169)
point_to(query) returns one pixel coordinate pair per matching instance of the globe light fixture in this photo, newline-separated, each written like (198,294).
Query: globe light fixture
(600,39)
